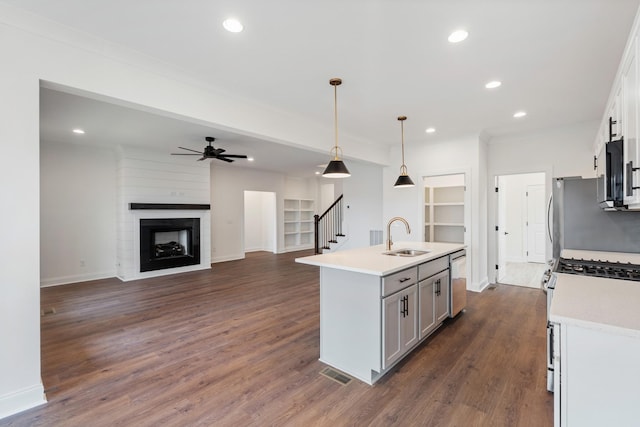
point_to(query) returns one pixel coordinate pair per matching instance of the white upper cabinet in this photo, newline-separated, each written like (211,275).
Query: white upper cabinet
(621,121)
(630,127)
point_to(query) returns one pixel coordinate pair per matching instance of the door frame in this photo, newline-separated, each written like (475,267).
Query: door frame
(494,236)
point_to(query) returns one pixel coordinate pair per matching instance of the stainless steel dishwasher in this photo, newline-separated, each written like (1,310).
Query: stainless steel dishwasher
(458,276)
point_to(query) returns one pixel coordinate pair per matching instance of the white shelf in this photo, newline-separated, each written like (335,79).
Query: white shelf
(444,214)
(298,215)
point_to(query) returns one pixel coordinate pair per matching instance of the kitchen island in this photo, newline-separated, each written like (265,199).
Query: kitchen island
(596,349)
(375,308)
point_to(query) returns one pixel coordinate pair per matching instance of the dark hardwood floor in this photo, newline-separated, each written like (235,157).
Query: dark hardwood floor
(238,346)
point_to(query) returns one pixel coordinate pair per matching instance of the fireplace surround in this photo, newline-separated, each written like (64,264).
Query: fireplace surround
(175,242)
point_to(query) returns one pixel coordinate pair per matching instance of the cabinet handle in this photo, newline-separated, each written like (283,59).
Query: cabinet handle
(404,279)
(405,310)
(611,123)
(630,171)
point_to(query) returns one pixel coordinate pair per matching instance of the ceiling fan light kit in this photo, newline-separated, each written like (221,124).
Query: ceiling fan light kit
(403,180)
(211,153)
(336,167)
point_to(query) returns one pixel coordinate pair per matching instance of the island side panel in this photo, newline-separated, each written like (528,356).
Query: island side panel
(350,323)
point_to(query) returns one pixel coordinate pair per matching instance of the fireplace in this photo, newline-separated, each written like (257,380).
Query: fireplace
(169,243)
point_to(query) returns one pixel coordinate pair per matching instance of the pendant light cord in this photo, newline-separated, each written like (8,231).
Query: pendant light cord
(335,116)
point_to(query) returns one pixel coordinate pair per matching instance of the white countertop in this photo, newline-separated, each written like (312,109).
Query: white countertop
(624,257)
(371,260)
(608,305)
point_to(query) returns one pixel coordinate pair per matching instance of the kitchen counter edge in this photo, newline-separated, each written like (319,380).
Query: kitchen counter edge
(371,259)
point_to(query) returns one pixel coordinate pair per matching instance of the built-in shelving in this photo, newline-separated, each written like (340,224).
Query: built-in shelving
(444,214)
(298,224)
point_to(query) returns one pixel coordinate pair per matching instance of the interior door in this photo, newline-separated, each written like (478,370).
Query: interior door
(502,230)
(536,237)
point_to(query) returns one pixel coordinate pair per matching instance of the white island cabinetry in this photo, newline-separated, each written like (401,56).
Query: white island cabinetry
(371,309)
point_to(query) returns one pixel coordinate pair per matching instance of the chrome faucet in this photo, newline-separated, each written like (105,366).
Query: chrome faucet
(395,218)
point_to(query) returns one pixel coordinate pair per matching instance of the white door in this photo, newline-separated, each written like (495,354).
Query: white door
(502,230)
(536,237)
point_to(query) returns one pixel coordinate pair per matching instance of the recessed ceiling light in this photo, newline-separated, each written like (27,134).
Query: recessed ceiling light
(232,25)
(519,114)
(250,159)
(493,84)
(78,131)
(317,172)
(430,130)
(458,36)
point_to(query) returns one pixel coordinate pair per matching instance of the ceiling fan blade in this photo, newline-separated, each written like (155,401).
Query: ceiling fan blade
(224,159)
(201,159)
(236,156)
(186,154)
(220,150)
(189,149)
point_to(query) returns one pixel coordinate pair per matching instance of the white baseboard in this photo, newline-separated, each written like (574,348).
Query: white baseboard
(480,286)
(227,258)
(21,400)
(66,280)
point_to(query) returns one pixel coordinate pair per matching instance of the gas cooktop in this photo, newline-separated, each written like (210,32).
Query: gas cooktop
(609,270)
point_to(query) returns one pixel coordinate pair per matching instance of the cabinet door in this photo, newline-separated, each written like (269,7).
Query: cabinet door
(427,317)
(409,321)
(391,315)
(442,296)
(400,329)
(630,127)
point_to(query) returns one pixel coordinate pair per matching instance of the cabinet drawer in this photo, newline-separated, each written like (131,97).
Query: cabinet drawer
(400,280)
(430,268)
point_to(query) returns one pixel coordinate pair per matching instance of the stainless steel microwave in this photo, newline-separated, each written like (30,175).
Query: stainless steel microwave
(610,171)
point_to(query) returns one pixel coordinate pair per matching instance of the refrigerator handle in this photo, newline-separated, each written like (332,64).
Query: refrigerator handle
(549,219)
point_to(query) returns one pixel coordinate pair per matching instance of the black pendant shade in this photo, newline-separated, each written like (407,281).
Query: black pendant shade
(403,181)
(336,169)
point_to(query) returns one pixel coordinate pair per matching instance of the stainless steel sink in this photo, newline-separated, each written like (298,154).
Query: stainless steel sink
(405,252)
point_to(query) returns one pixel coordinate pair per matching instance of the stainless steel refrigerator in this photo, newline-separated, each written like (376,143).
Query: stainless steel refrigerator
(580,223)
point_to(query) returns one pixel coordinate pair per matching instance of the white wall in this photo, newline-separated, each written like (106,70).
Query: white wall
(21,386)
(441,157)
(562,151)
(259,221)
(228,185)
(77,213)
(362,203)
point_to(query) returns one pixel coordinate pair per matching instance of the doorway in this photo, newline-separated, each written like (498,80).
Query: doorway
(521,241)
(260,221)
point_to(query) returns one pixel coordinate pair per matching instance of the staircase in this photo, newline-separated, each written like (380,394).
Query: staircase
(328,228)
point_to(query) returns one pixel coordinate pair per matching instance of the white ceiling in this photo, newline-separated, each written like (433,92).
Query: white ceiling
(556,58)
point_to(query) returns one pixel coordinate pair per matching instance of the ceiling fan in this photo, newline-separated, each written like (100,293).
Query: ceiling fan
(211,153)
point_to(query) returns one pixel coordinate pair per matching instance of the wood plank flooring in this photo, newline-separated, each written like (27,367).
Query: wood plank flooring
(238,346)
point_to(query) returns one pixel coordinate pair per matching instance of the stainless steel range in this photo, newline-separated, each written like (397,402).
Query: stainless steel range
(604,269)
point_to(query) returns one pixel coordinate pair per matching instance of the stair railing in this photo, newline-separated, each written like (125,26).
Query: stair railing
(328,226)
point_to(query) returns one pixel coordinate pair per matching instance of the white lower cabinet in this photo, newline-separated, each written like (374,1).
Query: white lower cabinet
(433,294)
(400,317)
(597,374)
(426,289)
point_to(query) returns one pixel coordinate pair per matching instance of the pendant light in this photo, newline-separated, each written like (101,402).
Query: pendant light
(403,180)
(336,168)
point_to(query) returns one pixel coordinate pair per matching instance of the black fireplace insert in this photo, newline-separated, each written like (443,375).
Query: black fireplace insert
(169,243)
